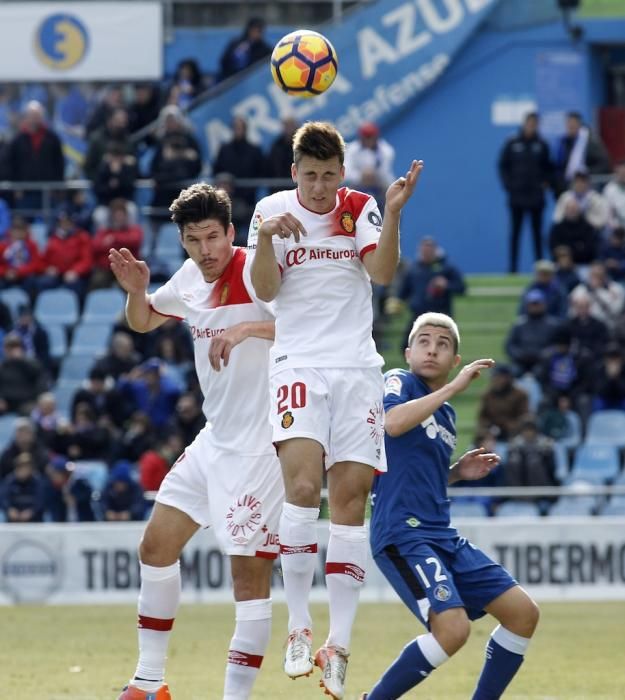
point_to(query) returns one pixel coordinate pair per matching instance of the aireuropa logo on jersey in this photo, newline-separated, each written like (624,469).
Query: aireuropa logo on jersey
(29,572)
(61,41)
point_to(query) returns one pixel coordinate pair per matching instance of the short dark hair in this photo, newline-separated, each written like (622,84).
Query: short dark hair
(574,115)
(320,140)
(199,202)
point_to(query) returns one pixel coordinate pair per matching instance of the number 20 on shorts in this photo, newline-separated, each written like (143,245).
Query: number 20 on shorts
(293,396)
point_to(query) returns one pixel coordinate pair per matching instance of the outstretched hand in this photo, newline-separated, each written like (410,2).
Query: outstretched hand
(470,372)
(476,464)
(133,275)
(401,190)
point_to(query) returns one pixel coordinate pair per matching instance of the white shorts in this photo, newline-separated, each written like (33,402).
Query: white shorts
(239,496)
(340,408)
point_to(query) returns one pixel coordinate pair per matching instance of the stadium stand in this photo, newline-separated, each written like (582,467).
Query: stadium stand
(57,306)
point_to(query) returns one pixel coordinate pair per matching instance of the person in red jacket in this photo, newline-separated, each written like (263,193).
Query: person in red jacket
(67,260)
(19,255)
(119,233)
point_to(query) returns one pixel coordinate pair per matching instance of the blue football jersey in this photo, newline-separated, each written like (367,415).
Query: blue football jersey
(409,502)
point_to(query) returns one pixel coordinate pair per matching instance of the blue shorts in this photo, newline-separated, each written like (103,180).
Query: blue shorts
(427,577)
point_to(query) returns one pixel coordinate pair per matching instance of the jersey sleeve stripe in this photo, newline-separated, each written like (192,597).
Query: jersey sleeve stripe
(160,313)
(368,249)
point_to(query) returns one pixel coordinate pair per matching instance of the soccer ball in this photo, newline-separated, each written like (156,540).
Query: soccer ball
(304,63)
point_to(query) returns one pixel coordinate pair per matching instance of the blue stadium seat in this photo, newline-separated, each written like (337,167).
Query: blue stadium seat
(94,471)
(534,392)
(501,448)
(7,427)
(64,393)
(103,305)
(573,505)
(596,463)
(90,339)
(606,428)
(57,306)
(468,509)
(13,298)
(39,233)
(561,455)
(169,238)
(58,340)
(75,368)
(615,506)
(574,437)
(518,509)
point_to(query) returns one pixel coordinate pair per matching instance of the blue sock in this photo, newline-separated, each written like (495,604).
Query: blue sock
(504,656)
(409,668)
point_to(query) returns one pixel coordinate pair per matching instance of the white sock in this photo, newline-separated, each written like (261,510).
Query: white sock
(345,575)
(158,603)
(298,556)
(247,647)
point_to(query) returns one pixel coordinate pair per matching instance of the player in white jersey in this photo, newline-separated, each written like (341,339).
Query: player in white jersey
(229,478)
(317,249)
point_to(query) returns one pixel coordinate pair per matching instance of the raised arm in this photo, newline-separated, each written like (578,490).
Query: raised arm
(406,416)
(381,263)
(134,276)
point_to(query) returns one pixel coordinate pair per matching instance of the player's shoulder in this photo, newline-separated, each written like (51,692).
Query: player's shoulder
(354,200)
(188,271)
(397,380)
(277,202)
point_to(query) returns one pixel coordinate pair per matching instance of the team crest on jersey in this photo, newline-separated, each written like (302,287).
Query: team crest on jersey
(442,592)
(347,222)
(225,292)
(287,420)
(257,221)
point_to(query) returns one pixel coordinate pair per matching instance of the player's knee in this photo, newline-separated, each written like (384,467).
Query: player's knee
(153,552)
(452,630)
(531,616)
(303,492)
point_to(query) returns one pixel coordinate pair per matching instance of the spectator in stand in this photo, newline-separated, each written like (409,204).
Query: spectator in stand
(176,160)
(139,437)
(246,49)
(5,212)
(503,405)
(151,392)
(546,282)
(85,437)
(429,283)
(242,210)
(280,156)
(565,273)
(574,232)
(117,233)
(67,260)
(614,194)
(103,399)
(19,254)
(34,336)
(242,159)
(155,463)
(25,439)
(35,155)
(189,418)
(186,85)
(531,459)
(592,205)
(578,151)
(22,379)
(121,357)
(609,384)
(79,208)
(554,417)
(607,298)
(613,254)
(114,179)
(67,497)
(174,366)
(47,419)
(587,332)
(369,162)
(566,369)
(531,333)
(122,499)
(6,320)
(111,99)
(114,131)
(23,492)
(144,108)
(526,172)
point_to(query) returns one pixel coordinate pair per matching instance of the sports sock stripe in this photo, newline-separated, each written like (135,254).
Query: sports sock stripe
(353,570)
(155,623)
(241,658)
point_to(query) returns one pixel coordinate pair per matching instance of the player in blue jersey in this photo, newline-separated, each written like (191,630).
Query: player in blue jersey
(444,579)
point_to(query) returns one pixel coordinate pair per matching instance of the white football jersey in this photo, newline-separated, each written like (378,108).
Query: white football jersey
(324,312)
(236,399)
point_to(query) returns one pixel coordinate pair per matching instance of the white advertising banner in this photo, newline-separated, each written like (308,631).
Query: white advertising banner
(559,559)
(61,41)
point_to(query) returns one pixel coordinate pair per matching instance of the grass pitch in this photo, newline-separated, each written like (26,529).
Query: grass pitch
(87,653)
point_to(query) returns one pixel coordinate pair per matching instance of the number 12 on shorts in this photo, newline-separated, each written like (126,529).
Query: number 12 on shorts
(438,575)
(293,396)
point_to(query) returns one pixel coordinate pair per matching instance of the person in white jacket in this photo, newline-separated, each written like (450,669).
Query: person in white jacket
(614,193)
(369,161)
(593,205)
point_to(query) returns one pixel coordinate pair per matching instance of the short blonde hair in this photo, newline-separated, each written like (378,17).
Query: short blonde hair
(438,321)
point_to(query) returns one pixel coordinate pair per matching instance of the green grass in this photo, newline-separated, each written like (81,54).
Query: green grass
(484,316)
(87,653)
